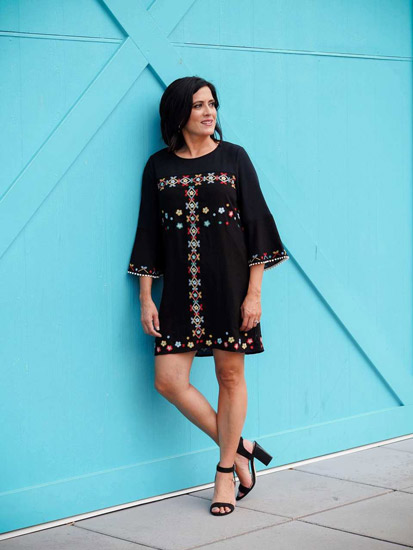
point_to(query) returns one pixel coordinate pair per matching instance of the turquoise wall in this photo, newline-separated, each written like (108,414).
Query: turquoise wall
(320,95)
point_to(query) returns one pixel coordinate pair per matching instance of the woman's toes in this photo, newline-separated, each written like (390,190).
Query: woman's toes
(222,493)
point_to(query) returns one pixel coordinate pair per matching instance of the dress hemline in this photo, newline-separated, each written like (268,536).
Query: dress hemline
(207,352)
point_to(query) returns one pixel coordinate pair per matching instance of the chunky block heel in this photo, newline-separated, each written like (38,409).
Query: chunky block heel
(260,454)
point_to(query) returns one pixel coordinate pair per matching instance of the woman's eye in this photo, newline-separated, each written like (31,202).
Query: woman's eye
(212,104)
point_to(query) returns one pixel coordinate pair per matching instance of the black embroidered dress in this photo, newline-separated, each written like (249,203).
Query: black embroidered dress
(202,223)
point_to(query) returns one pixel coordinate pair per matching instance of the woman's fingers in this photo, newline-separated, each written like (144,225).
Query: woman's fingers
(250,314)
(148,328)
(156,320)
(150,319)
(248,322)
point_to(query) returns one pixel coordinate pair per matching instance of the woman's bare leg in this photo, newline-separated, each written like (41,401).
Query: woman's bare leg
(232,410)
(172,373)
(172,381)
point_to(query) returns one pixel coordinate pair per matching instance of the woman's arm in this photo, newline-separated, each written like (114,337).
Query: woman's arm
(256,273)
(149,311)
(251,306)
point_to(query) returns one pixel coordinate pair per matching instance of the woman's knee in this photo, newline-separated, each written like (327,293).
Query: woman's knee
(172,373)
(230,373)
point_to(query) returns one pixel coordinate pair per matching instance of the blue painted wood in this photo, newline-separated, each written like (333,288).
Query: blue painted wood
(321,98)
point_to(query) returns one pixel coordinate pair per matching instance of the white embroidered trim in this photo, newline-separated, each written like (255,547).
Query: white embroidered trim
(280,261)
(145,275)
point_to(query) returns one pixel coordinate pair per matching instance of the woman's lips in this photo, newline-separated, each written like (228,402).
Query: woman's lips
(207,122)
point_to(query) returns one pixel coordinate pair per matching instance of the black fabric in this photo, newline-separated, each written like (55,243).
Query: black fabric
(147,256)
(202,223)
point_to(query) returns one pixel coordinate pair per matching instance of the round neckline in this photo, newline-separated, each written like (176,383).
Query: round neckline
(201,156)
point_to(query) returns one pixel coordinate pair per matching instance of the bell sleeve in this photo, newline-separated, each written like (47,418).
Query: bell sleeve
(147,253)
(263,241)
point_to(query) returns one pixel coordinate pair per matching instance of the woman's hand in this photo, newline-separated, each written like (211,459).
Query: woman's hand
(149,317)
(250,310)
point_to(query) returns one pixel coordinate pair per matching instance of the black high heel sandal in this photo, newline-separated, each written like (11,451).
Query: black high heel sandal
(260,454)
(219,504)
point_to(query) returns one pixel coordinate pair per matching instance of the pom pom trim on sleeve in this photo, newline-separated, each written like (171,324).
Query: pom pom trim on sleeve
(143,271)
(273,259)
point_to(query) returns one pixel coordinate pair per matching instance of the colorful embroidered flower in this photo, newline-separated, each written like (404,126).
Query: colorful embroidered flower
(205,210)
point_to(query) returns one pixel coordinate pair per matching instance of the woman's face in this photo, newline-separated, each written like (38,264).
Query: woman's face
(203,115)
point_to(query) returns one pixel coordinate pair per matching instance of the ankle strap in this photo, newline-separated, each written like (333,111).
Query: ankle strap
(242,450)
(226,470)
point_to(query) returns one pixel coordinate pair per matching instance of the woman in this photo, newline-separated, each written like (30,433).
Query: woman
(205,227)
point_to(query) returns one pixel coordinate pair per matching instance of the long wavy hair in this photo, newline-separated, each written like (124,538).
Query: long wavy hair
(176,106)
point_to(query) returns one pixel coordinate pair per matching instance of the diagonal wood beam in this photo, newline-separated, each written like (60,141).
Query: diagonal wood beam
(40,176)
(149,35)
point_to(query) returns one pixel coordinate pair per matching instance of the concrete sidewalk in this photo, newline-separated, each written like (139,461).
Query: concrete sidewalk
(361,501)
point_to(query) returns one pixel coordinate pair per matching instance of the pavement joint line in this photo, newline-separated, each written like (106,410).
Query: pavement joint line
(349,480)
(117,537)
(356,534)
(234,536)
(343,505)
(245,506)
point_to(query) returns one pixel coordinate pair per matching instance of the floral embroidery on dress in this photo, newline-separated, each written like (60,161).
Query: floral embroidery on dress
(230,343)
(194,281)
(144,271)
(274,258)
(223,215)
(211,177)
(191,187)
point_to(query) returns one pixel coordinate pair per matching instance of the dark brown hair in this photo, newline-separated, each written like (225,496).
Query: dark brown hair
(176,106)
